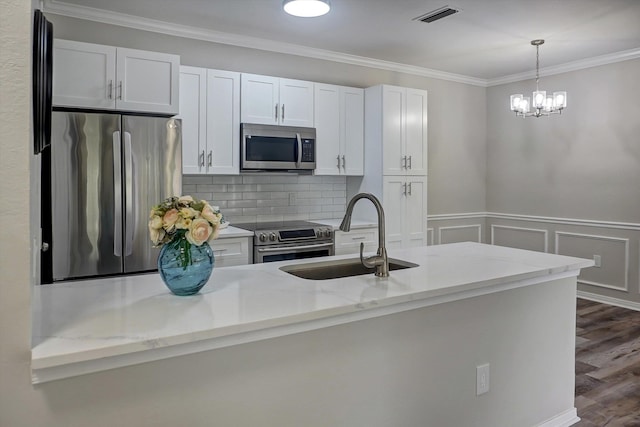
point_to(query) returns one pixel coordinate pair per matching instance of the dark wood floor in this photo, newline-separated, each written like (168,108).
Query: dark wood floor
(607,365)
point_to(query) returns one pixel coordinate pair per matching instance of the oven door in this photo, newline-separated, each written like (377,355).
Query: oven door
(284,253)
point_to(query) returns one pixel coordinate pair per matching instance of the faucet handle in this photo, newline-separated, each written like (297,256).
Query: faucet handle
(361,253)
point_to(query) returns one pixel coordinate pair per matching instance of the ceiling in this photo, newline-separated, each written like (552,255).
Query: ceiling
(488,39)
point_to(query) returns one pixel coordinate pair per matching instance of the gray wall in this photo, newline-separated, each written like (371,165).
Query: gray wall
(571,183)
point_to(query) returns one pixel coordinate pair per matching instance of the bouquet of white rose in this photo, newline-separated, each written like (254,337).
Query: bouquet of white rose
(184,221)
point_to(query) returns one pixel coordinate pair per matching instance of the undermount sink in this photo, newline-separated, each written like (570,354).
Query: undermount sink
(336,269)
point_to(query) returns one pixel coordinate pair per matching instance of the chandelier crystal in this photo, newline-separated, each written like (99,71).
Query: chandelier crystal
(539,104)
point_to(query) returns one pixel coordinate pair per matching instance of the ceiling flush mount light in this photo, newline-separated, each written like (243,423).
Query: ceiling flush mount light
(306,8)
(539,104)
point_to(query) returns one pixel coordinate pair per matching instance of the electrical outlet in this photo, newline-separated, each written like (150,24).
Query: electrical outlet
(482,379)
(597,260)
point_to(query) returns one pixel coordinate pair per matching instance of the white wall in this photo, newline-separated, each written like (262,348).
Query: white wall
(572,180)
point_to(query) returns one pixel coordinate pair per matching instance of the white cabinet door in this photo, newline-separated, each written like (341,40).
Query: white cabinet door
(147,81)
(84,75)
(404,130)
(416,132)
(193,112)
(339,123)
(405,206)
(296,103)
(327,120)
(393,130)
(415,223)
(232,251)
(349,243)
(394,201)
(259,99)
(352,130)
(275,101)
(105,77)
(223,122)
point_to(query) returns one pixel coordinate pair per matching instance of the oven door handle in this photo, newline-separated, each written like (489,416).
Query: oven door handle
(295,248)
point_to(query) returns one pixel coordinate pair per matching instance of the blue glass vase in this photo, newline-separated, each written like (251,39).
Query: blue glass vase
(185,268)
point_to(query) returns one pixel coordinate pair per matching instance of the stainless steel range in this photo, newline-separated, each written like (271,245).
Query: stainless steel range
(288,240)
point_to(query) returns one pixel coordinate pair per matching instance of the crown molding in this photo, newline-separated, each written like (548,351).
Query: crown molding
(581,64)
(139,23)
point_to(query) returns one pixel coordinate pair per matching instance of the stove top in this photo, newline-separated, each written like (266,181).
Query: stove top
(278,225)
(288,232)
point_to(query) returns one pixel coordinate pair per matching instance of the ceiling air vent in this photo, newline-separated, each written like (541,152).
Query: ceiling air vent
(434,15)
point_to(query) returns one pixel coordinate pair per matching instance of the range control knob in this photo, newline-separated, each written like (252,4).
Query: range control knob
(319,233)
(327,232)
(273,237)
(262,237)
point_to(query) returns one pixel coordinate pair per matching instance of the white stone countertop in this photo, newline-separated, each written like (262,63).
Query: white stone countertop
(355,223)
(93,325)
(231,231)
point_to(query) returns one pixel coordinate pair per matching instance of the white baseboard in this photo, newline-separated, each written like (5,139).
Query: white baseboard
(565,419)
(609,300)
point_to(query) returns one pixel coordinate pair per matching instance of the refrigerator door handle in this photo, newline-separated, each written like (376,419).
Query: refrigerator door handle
(128,193)
(117,193)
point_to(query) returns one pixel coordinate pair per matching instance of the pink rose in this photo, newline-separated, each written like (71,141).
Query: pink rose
(169,219)
(199,231)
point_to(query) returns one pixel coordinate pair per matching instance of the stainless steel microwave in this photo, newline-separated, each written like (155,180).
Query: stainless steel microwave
(277,148)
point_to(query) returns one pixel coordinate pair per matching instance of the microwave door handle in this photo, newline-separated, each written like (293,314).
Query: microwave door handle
(299,160)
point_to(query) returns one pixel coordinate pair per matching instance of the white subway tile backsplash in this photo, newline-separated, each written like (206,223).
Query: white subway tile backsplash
(266,197)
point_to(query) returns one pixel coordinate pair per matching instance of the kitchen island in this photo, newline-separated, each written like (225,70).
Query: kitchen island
(360,350)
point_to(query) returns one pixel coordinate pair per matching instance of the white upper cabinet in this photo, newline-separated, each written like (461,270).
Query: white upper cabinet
(403,133)
(105,77)
(339,123)
(193,112)
(275,101)
(210,113)
(223,122)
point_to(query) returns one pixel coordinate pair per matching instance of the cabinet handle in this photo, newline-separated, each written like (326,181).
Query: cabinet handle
(201,159)
(283,112)
(110,89)
(409,188)
(210,158)
(120,90)
(338,157)
(404,189)
(276,112)
(409,166)
(359,238)
(404,162)
(344,163)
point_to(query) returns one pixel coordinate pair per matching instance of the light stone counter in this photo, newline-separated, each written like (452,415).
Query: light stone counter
(231,231)
(93,325)
(355,223)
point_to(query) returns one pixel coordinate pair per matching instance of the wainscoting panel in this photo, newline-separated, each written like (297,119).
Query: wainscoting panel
(617,243)
(613,252)
(533,239)
(460,233)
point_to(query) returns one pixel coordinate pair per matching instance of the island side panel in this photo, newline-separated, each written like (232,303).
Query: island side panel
(406,369)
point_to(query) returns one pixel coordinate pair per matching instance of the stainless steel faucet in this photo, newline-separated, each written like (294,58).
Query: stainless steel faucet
(379,261)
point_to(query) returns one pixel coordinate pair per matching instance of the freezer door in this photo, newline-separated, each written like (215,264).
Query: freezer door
(152,166)
(84,195)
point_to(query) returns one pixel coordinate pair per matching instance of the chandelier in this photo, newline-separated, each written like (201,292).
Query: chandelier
(542,105)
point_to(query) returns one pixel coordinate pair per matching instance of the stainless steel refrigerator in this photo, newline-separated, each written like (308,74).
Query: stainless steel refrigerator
(107,171)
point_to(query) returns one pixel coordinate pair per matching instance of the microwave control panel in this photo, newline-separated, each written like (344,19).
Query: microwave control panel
(308,154)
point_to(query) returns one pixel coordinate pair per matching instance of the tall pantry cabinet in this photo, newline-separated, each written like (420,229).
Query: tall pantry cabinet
(395,163)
